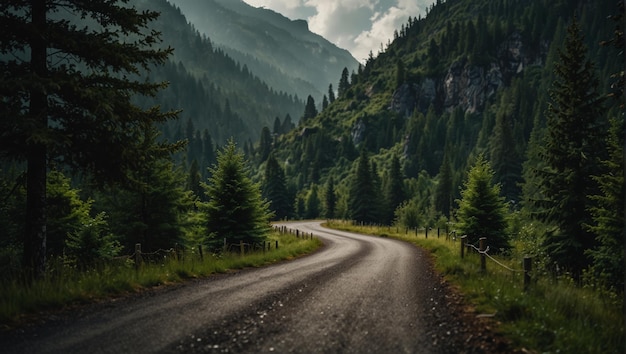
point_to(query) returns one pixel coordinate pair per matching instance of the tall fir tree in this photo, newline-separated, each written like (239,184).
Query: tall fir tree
(571,150)
(150,210)
(608,213)
(67,96)
(275,189)
(310,111)
(395,192)
(482,211)
(330,198)
(235,209)
(443,189)
(313,203)
(362,199)
(344,82)
(331,94)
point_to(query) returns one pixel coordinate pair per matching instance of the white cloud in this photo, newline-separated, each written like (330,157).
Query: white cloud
(359,26)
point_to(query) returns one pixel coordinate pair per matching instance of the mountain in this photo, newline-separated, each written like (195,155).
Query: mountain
(214,91)
(281,52)
(471,77)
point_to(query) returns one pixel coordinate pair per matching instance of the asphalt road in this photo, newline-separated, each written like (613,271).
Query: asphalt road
(358,294)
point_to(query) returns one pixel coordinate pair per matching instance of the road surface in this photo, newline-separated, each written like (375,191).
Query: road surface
(358,294)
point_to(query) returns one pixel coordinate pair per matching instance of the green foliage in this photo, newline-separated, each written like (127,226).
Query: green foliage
(330,199)
(71,285)
(363,203)
(552,316)
(482,211)
(409,214)
(235,209)
(608,214)
(571,148)
(67,213)
(66,92)
(152,209)
(275,189)
(93,243)
(313,203)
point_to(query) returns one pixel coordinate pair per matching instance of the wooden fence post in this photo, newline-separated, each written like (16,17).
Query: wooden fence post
(263,247)
(528,266)
(138,258)
(201,254)
(241,247)
(426,230)
(463,246)
(224,244)
(483,259)
(276,244)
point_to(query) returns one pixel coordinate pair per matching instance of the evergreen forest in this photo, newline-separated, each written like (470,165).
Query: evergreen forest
(495,118)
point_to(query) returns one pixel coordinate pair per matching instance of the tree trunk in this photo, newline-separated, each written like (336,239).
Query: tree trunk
(35,230)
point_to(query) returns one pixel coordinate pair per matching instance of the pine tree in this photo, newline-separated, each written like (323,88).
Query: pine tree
(330,199)
(151,209)
(235,210)
(362,201)
(324,103)
(68,97)
(571,148)
(194,179)
(331,94)
(395,192)
(265,144)
(275,189)
(310,111)
(608,214)
(443,190)
(313,203)
(344,82)
(482,210)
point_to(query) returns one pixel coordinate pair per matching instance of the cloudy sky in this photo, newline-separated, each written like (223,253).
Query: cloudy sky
(359,26)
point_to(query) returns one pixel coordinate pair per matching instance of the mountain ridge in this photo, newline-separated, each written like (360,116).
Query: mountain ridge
(271,38)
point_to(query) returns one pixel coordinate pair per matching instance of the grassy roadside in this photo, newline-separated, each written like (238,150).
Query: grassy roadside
(551,317)
(65,286)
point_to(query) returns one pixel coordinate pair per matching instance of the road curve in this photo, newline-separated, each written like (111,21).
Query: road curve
(359,294)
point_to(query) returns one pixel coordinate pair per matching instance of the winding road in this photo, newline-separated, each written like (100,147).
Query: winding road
(358,294)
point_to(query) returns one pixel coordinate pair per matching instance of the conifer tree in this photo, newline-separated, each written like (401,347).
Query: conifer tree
(324,103)
(310,111)
(275,189)
(331,94)
(313,203)
(362,201)
(443,190)
(265,143)
(395,193)
(344,82)
(571,148)
(151,208)
(330,199)
(235,209)
(482,210)
(608,213)
(67,95)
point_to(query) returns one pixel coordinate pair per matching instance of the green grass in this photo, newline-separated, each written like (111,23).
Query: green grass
(553,316)
(66,286)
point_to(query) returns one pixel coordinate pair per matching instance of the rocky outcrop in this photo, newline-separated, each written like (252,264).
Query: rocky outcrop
(358,132)
(466,85)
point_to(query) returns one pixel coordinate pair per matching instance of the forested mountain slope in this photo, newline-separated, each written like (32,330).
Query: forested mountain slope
(471,77)
(282,52)
(214,91)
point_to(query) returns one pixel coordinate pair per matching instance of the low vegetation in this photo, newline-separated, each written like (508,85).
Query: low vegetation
(66,285)
(553,315)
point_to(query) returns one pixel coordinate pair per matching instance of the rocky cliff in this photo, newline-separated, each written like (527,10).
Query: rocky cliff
(467,85)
